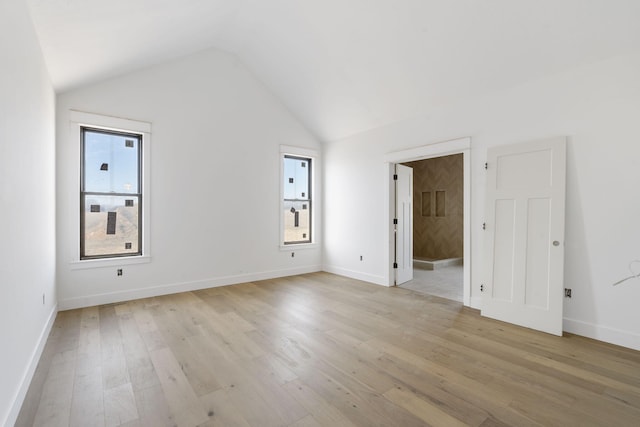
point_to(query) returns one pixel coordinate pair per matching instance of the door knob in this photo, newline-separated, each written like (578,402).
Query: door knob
(556,243)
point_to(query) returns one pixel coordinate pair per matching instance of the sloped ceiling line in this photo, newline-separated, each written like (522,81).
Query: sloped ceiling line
(345,66)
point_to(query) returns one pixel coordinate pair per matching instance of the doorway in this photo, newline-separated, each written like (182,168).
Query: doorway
(438,226)
(454,147)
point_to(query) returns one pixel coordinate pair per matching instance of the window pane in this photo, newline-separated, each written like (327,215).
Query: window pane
(110,162)
(110,225)
(297,222)
(296,178)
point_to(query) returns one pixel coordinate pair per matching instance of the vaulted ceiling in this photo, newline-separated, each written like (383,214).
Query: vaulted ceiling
(342,66)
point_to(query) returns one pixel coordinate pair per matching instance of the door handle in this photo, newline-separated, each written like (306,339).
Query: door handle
(556,243)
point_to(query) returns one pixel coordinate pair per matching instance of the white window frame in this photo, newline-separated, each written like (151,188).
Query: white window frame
(79,119)
(287,150)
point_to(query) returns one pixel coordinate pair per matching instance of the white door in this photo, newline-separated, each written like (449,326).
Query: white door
(404,228)
(525,234)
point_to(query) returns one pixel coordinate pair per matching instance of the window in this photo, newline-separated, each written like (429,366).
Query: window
(110,193)
(297,201)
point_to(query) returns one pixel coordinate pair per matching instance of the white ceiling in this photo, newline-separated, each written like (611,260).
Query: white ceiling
(342,66)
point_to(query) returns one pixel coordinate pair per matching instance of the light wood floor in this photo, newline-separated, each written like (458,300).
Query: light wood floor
(321,350)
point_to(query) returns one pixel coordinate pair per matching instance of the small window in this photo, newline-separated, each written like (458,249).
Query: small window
(110,194)
(297,202)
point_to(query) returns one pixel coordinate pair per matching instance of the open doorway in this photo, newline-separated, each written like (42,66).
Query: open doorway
(398,258)
(438,226)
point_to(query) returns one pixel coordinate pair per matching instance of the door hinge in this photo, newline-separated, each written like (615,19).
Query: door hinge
(481,288)
(484,225)
(395,221)
(486,166)
(395,265)
(395,176)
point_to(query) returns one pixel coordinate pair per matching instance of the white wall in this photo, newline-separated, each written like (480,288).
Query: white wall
(598,107)
(215,165)
(27,205)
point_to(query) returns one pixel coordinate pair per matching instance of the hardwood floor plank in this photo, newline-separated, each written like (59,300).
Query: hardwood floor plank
(185,407)
(222,411)
(323,413)
(57,394)
(87,406)
(321,350)
(427,412)
(153,409)
(469,400)
(119,405)
(114,365)
(356,401)
(360,368)
(579,389)
(197,368)
(275,368)
(308,421)
(454,392)
(271,392)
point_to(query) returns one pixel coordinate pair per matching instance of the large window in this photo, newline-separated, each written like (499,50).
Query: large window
(110,194)
(297,202)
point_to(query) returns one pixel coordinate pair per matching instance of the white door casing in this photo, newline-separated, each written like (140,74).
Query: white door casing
(438,149)
(404,228)
(525,215)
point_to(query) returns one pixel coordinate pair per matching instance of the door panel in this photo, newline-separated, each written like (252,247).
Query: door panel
(525,232)
(504,250)
(404,228)
(538,253)
(509,169)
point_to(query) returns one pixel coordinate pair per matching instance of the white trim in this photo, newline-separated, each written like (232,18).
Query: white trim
(439,149)
(109,122)
(358,275)
(108,262)
(21,393)
(298,246)
(602,333)
(299,151)
(77,119)
(172,288)
(466,214)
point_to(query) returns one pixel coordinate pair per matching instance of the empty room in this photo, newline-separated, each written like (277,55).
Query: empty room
(319,213)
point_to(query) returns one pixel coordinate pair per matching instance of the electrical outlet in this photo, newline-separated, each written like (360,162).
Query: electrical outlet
(567,292)
(119,272)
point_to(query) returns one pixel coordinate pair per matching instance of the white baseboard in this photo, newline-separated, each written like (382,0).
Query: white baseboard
(31,369)
(154,291)
(358,275)
(602,333)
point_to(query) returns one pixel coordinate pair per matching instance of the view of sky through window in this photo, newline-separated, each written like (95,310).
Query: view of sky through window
(298,170)
(111,163)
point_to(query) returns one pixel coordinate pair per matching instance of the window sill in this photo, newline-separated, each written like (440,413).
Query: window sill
(293,246)
(109,262)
